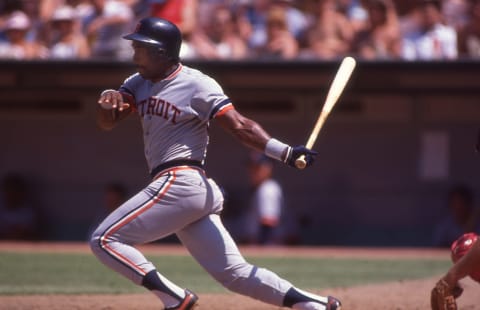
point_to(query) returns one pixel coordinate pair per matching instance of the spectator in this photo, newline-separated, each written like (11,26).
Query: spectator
(66,41)
(221,39)
(455,12)
(381,38)
(434,40)
(110,20)
(16,45)
(6,8)
(280,42)
(82,8)
(297,22)
(330,35)
(355,13)
(252,18)
(253,15)
(469,34)
(36,31)
(409,17)
(183,13)
(266,202)
(18,216)
(462,217)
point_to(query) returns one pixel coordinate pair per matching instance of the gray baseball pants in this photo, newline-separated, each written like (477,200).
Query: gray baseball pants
(183,201)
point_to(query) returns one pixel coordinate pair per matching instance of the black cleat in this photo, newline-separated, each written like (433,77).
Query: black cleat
(333,304)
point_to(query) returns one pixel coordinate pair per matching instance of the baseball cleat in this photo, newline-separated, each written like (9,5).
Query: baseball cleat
(188,303)
(333,304)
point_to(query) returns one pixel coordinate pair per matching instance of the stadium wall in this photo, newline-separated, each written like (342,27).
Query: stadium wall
(400,137)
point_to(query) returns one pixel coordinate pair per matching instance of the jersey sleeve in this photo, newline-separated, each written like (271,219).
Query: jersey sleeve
(129,88)
(209,101)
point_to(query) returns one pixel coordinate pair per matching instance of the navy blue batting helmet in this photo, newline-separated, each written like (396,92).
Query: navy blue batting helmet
(160,33)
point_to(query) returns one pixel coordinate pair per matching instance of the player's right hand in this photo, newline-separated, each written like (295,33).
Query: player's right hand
(112,99)
(298,151)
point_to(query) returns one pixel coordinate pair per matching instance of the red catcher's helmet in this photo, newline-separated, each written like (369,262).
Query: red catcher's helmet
(460,247)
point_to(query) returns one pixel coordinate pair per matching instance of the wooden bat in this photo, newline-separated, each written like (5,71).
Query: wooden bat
(336,88)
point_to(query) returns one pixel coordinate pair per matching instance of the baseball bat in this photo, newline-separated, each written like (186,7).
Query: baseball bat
(336,88)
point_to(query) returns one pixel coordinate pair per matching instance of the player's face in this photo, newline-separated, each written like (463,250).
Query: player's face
(150,62)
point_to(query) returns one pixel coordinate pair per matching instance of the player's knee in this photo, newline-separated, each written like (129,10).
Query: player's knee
(232,278)
(94,243)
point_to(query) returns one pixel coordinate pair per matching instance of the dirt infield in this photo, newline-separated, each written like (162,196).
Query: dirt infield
(408,295)
(400,295)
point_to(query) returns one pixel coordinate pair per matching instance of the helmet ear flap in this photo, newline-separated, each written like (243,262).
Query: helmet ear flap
(158,52)
(161,51)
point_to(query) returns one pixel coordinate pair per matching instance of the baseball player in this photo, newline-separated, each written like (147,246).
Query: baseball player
(466,257)
(267,200)
(175,104)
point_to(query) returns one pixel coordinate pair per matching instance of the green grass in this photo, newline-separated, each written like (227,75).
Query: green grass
(41,273)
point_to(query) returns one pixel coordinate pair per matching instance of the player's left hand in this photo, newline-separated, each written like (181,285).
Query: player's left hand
(298,151)
(112,99)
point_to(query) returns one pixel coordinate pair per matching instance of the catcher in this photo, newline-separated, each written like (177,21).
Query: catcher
(466,258)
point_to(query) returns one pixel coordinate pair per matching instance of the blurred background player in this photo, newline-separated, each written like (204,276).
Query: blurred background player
(266,201)
(462,217)
(18,215)
(113,195)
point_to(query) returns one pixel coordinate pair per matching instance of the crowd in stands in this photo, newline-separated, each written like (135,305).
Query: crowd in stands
(246,29)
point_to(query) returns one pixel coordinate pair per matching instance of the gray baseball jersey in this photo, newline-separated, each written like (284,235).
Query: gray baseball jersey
(175,114)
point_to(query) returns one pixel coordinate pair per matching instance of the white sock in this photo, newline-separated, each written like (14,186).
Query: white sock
(309,305)
(169,301)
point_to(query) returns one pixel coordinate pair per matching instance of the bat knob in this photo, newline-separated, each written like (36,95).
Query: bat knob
(300,162)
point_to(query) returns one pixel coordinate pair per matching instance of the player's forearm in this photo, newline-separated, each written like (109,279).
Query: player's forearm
(251,134)
(254,136)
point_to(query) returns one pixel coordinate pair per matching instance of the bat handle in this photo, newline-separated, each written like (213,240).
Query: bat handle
(300,162)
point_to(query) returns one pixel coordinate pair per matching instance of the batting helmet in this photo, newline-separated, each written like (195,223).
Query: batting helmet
(160,33)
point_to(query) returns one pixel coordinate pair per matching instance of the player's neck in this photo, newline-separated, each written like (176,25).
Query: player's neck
(171,69)
(168,71)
